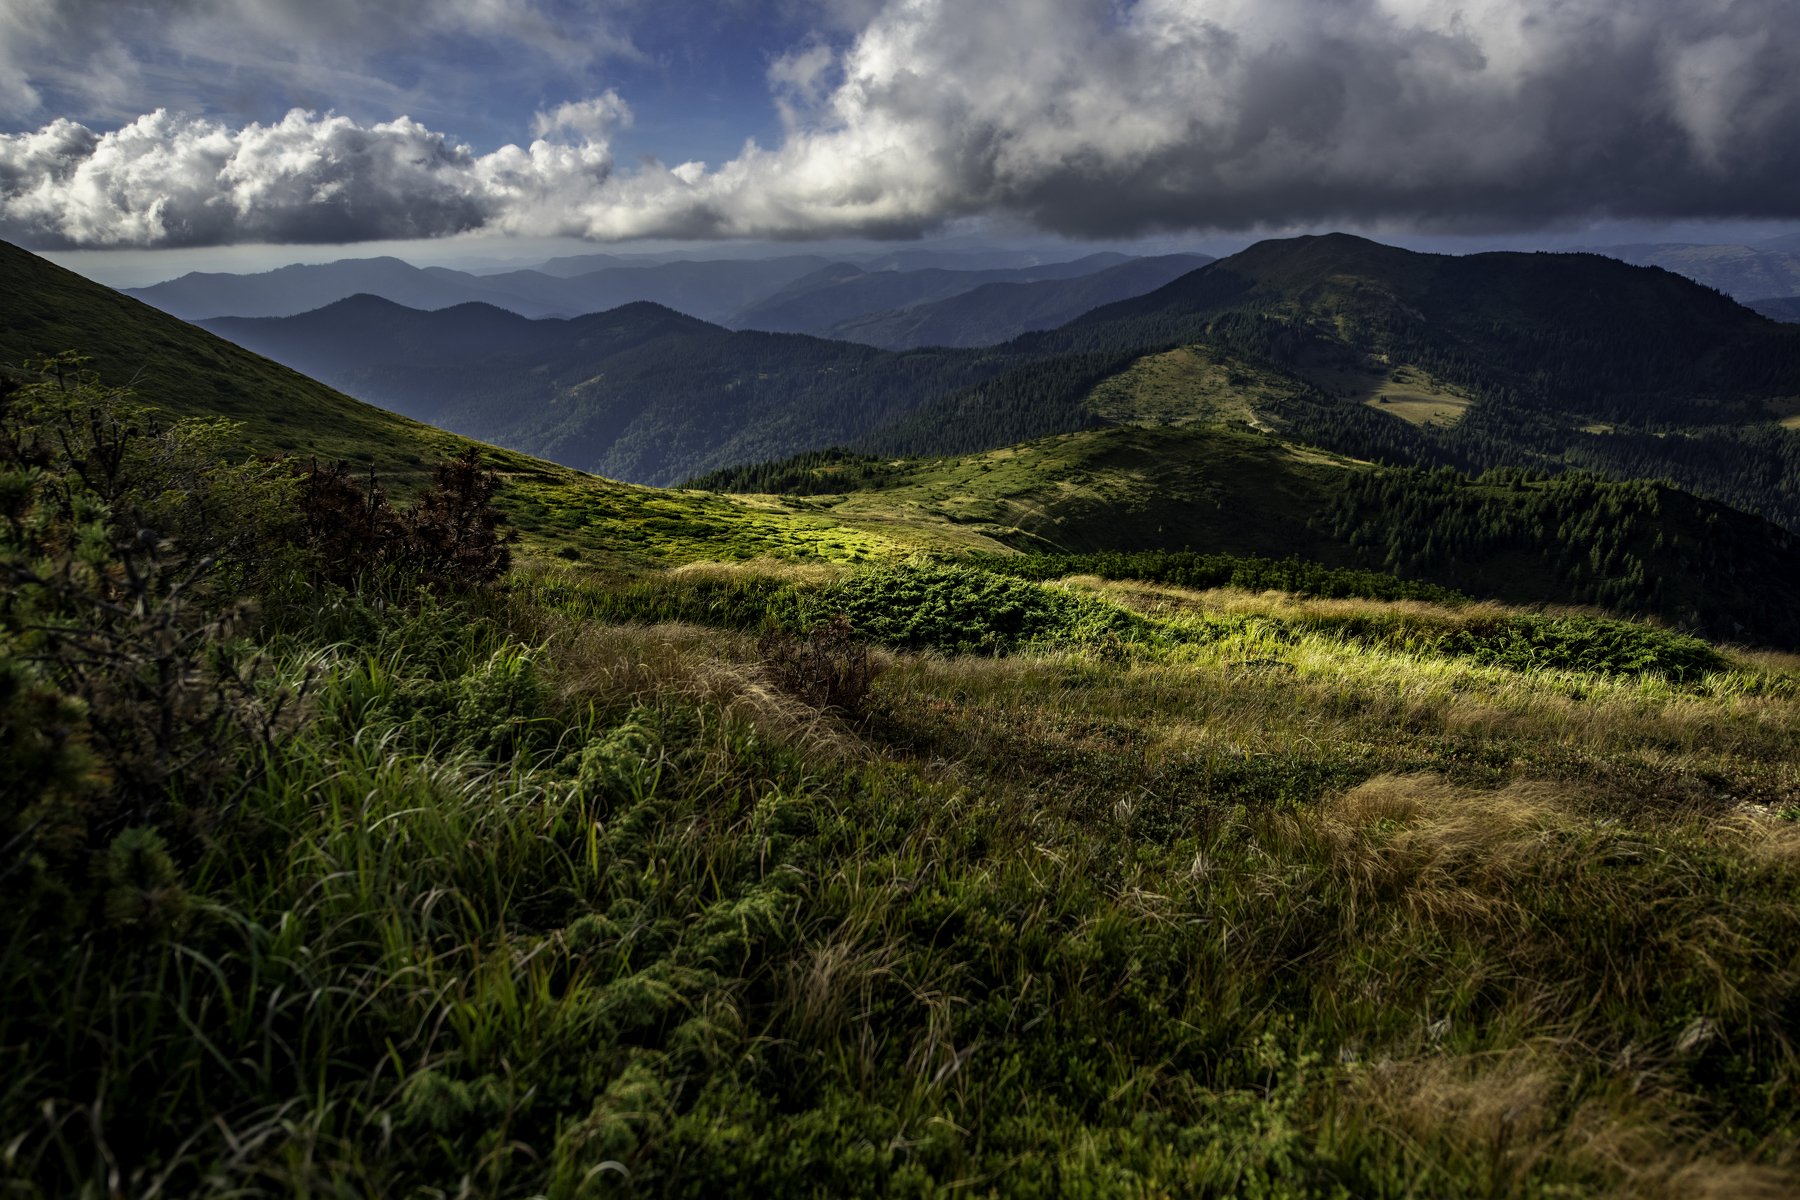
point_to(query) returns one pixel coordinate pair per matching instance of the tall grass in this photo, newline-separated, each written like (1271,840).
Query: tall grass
(542,903)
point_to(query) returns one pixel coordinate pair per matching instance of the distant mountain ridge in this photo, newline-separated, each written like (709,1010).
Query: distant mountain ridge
(1745,272)
(710,289)
(842,292)
(639,392)
(998,312)
(1778,308)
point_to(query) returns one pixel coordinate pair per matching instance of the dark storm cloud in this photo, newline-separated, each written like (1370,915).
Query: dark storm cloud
(1086,117)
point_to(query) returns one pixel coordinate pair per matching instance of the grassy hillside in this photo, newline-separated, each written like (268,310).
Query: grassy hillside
(1216,484)
(186,372)
(1019,875)
(1190,893)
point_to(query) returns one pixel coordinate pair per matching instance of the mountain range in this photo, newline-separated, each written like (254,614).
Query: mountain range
(792,294)
(1170,443)
(1541,361)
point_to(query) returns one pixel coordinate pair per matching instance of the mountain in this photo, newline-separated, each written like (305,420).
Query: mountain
(1746,272)
(185,371)
(1547,362)
(842,292)
(708,289)
(639,392)
(1779,308)
(998,312)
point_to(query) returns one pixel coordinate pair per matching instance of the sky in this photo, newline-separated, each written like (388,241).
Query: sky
(221,130)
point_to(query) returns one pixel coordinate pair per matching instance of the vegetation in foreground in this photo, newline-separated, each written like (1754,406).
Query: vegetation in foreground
(421,880)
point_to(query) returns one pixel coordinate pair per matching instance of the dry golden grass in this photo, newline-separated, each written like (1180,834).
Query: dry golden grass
(1508,1115)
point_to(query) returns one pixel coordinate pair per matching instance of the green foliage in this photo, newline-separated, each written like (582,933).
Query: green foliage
(1584,644)
(964,610)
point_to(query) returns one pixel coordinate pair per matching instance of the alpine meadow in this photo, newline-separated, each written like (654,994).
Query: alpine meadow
(1176,598)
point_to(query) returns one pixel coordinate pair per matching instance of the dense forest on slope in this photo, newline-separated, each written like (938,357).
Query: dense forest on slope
(1572,538)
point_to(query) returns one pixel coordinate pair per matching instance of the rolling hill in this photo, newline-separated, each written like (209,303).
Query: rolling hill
(998,312)
(825,299)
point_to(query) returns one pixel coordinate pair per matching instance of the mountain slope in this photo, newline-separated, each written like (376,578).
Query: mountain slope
(998,312)
(1539,361)
(640,392)
(187,372)
(827,298)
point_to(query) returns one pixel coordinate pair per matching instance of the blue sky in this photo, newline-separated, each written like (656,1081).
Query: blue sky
(208,126)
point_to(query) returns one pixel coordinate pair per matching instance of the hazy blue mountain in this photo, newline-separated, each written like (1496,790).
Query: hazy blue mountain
(640,393)
(998,312)
(302,287)
(843,292)
(1745,272)
(1780,308)
(708,289)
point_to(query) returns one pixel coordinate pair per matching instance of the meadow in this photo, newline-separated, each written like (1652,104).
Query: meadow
(368,872)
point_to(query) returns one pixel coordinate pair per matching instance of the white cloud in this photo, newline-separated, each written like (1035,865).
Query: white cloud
(171,180)
(1091,117)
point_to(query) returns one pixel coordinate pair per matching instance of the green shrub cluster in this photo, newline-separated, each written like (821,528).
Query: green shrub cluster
(965,610)
(1596,645)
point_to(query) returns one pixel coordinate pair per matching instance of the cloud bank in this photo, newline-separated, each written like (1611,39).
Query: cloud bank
(1084,117)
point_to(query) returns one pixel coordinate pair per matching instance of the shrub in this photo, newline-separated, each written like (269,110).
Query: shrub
(961,610)
(450,537)
(828,667)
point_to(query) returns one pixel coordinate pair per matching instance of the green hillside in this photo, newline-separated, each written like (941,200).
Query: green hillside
(1548,362)
(1089,877)
(186,372)
(1220,486)
(335,863)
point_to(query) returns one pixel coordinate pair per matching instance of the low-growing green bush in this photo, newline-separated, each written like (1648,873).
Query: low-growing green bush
(965,610)
(1593,644)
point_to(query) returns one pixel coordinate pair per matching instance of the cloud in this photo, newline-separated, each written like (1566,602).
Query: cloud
(84,56)
(1085,117)
(167,180)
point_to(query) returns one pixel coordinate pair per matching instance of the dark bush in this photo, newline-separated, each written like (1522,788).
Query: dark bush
(449,537)
(828,667)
